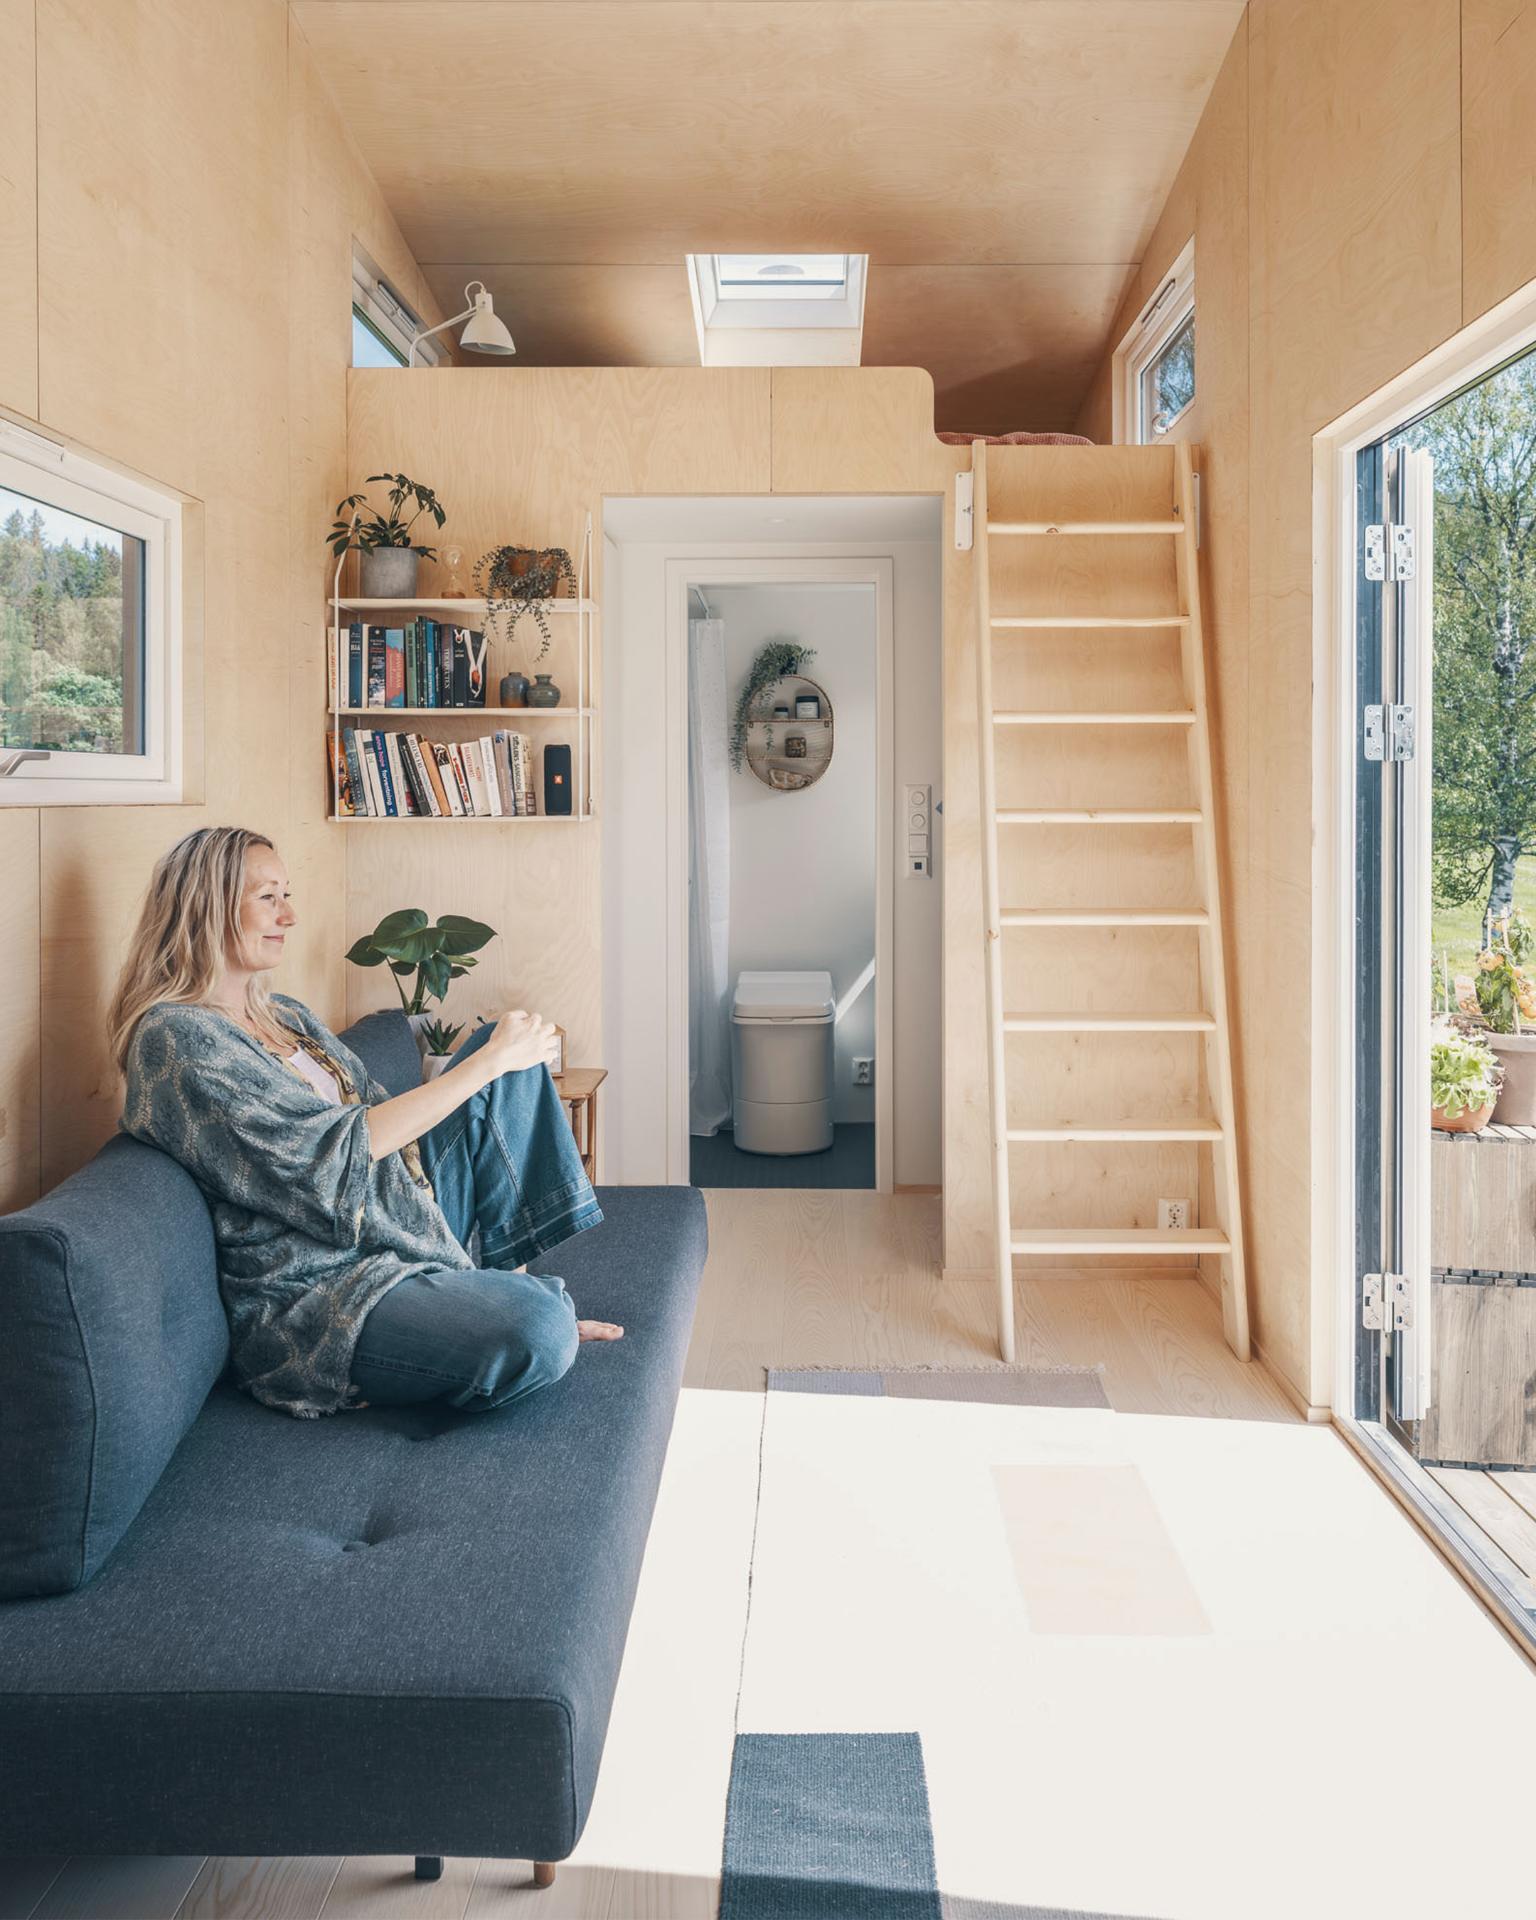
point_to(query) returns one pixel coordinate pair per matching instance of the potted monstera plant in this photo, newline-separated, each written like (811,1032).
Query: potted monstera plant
(430,957)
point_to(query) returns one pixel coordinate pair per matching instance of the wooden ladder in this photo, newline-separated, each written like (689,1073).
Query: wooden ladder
(1206,1012)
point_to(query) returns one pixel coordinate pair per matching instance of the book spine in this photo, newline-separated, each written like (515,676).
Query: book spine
(394,666)
(440,804)
(530,775)
(404,800)
(504,771)
(456,761)
(426,798)
(341,779)
(376,650)
(445,772)
(474,773)
(372,785)
(355,769)
(386,781)
(356,663)
(408,774)
(460,669)
(488,775)
(429,632)
(409,656)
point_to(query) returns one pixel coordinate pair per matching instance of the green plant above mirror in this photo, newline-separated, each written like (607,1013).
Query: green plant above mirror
(772,662)
(409,945)
(374,529)
(516,581)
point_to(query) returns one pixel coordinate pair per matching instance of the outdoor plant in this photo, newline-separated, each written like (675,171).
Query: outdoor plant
(1506,996)
(374,529)
(516,581)
(1464,1077)
(773,662)
(429,956)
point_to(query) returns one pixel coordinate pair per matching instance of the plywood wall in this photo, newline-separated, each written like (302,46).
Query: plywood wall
(1362,184)
(177,204)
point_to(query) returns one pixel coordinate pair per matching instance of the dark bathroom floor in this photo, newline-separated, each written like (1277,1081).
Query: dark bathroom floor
(849,1162)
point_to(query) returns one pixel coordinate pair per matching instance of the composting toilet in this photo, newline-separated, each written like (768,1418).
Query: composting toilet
(781,1062)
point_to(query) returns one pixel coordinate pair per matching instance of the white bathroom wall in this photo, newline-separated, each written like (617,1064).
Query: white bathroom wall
(640,792)
(803,864)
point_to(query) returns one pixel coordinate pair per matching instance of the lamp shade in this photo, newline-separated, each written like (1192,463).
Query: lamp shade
(483,332)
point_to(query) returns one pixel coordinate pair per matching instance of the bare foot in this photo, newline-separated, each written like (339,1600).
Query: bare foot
(598,1330)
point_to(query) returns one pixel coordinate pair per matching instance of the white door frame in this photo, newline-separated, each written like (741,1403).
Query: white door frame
(755,570)
(1500,334)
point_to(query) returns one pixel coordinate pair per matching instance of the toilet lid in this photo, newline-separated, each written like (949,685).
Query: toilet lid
(784,996)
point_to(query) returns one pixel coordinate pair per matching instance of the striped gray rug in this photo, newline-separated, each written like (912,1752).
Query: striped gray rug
(993,1386)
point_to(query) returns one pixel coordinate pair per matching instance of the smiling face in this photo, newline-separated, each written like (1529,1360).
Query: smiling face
(265,914)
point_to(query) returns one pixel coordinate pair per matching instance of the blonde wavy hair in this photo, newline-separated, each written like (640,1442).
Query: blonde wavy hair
(190,917)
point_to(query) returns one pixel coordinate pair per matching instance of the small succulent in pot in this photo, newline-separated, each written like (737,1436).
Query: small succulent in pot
(516,581)
(440,1036)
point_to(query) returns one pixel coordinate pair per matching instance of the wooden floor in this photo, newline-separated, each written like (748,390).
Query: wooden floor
(1503,1505)
(813,1278)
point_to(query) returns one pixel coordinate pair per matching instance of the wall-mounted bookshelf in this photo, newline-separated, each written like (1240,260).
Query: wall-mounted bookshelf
(423,729)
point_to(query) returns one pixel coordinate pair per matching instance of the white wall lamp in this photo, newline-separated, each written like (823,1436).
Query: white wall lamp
(484,332)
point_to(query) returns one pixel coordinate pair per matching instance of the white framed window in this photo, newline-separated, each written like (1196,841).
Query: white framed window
(383,326)
(1154,384)
(90,630)
(778,309)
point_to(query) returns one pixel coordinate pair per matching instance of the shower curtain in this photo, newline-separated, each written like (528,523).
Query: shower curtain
(709,881)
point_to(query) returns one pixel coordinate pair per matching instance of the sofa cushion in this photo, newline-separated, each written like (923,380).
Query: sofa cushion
(396,1631)
(387,1048)
(111,1334)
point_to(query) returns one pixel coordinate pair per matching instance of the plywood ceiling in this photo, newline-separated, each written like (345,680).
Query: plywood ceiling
(1001,161)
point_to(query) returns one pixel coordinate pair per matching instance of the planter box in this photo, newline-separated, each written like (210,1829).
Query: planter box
(1482,1409)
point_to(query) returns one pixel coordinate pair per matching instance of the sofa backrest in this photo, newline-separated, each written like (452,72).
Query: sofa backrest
(387,1048)
(112,1332)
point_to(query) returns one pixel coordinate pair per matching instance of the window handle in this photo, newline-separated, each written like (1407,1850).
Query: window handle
(9,762)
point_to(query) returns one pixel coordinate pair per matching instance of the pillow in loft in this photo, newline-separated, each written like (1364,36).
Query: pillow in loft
(1016,439)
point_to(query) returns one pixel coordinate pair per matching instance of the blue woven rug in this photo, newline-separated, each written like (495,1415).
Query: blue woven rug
(828,1826)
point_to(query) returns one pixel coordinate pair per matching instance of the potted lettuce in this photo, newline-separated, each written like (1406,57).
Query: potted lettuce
(1464,1080)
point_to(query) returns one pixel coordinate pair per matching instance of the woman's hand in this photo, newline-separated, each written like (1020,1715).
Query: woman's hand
(520,1040)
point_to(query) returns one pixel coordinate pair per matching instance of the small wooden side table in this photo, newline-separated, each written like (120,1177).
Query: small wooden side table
(577,1088)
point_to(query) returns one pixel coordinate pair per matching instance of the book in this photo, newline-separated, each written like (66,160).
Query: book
(474,773)
(412,698)
(373,787)
(488,773)
(357,661)
(503,770)
(394,666)
(341,777)
(530,777)
(460,669)
(426,799)
(448,778)
(445,666)
(405,800)
(519,773)
(355,769)
(408,774)
(430,689)
(374,696)
(440,804)
(466,792)
(386,778)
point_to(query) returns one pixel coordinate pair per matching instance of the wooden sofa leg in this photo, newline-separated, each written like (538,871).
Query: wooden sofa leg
(429,1866)
(543,1873)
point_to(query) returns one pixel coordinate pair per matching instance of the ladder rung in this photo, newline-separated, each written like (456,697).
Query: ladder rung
(1105,917)
(1109,1023)
(1091,620)
(1149,1130)
(1045,717)
(1098,816)
(1085,526)
(1120,1240)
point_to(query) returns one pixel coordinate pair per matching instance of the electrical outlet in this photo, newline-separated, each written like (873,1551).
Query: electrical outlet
(863,1073)
(1173,1213)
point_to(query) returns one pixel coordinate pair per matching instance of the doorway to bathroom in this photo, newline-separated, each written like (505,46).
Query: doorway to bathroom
(784,1055)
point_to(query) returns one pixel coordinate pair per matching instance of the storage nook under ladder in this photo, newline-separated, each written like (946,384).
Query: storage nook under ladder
(1108,1040)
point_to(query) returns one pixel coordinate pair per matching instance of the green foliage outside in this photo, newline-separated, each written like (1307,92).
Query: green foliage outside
(61,640)
(1463,1074)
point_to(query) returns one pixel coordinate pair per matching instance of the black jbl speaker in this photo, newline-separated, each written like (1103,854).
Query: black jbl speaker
(557,780)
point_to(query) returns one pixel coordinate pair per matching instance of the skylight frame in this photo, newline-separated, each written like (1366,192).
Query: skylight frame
(718,312)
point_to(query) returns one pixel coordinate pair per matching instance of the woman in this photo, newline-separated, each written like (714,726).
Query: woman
(339,1213)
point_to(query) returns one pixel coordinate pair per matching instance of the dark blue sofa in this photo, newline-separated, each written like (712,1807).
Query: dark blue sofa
(394,1632)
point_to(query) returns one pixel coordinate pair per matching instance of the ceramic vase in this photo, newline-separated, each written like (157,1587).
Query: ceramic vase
(543,692)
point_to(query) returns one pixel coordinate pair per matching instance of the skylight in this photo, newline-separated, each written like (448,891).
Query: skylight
(778,309)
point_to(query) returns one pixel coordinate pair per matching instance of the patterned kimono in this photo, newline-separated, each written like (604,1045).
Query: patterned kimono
(310,1231)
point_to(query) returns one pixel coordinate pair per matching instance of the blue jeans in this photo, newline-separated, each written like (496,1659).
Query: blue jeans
(504,1163)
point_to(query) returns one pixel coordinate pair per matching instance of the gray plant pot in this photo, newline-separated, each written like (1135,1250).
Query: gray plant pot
(1516,1053)
(388,573)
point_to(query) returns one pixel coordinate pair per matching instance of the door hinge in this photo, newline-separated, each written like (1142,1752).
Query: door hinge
(1386,1302)
(1389,552)
(1389,732)
(965,511)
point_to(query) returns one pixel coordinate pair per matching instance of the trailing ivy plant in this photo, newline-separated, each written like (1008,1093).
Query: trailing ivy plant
(514,581)
(775,661)
(375,530)
(409,945)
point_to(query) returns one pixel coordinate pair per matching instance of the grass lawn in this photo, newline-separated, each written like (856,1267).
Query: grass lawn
(1459,930)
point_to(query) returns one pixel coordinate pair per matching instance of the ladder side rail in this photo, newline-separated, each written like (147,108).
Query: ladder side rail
(1217,1045)
(997,1094)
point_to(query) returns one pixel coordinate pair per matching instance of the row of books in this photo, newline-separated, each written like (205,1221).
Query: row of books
(429,663)
(386,773)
